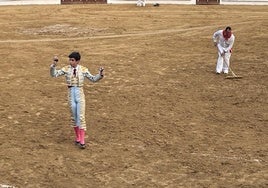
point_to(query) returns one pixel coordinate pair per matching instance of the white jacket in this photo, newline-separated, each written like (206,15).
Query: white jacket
(225,44)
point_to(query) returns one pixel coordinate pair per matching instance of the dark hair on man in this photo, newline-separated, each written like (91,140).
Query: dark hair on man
(228,28)
(75,55)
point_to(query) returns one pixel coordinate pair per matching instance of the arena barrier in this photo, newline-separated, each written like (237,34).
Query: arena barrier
(30,2)
(148,2)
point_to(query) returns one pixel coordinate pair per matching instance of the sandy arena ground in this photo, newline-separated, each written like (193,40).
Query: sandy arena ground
(160,118)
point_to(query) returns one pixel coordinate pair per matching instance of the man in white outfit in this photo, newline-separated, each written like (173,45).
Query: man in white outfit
(224,41)
(141,3)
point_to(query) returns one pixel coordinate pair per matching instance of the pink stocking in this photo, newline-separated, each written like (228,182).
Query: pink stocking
(77,134)
(82,136)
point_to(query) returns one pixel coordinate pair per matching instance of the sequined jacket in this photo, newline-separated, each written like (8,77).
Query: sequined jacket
(82,73)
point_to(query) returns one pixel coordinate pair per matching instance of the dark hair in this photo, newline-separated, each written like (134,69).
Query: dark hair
(75,55)
(228,28)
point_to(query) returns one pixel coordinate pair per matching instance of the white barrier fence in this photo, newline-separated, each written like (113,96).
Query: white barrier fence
(244,2)
(192,2)
(182,2)
(30,2)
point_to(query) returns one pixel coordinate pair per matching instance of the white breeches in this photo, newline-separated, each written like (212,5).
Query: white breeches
(223,61)
(77,105)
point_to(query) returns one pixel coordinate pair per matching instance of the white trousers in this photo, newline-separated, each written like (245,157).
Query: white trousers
(223,61)
(76,98)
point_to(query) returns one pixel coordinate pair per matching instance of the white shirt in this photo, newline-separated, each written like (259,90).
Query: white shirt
(225,44)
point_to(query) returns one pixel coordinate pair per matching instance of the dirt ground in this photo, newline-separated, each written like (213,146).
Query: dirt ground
(161,117)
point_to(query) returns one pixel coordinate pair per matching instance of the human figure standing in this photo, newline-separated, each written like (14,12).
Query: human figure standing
(224,41)
(75,75)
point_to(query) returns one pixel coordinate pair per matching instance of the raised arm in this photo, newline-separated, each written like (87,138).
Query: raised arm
(93,78)
(53,71)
